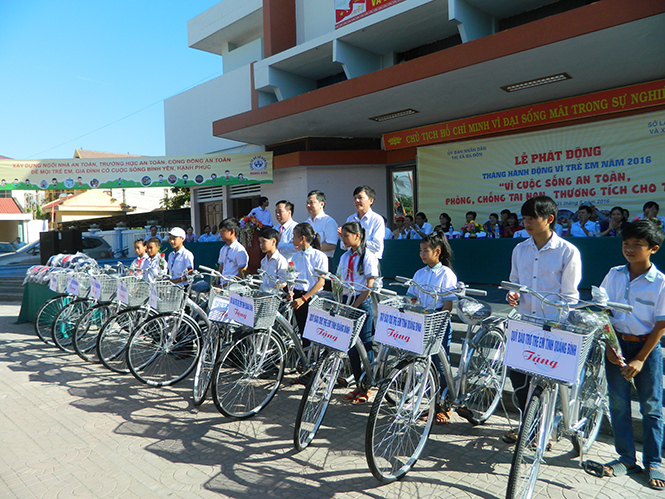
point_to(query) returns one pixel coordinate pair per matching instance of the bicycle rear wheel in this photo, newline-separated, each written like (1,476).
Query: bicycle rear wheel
(396,432)
(248,374)
(206,364)
(64,325)
(114,335)
(46,316)
(164,349)
(529,449)
(591,398)
(87,329)
(315,400)
(485,375)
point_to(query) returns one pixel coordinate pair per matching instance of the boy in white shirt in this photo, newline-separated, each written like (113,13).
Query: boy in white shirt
(274,264)
(233,258)
(181,260)
(155,265)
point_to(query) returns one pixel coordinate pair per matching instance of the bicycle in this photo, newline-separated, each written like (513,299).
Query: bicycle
(564,357)
(63,329)
(403,411)
(52,307)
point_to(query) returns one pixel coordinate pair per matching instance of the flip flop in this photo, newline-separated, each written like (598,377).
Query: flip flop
(656,474)
(362,398)
(510,437)
(351,396)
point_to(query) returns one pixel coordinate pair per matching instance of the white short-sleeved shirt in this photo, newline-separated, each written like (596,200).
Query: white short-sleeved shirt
(555,268)
(370,269)
(275,265)
(646,294)
(426,228)
(139,263)
(285,246)
(375,231)
(438,278)
(262,215)
(233,257)
(179,262)
(154,267)
(326,227)
(305,262)
(389,234)
(576,229)
(205,238)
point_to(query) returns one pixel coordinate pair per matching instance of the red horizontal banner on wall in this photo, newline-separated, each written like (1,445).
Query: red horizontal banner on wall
(347,11)
(639,96)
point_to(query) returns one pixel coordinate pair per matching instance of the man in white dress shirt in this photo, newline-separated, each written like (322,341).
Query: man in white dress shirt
(284,215)
(324,225)
(583,227)
(181,260)
(262,213)
(372,222)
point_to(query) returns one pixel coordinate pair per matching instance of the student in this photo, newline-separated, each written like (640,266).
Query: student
(324,225)
(641,285)
(436,254)
(233,257)
(421,227)
(262,213)
(546,263)
(140,261)
(180,259)
(284,215)
(274,262)
(363,199)
(307,258)
(155,265)
(361,267)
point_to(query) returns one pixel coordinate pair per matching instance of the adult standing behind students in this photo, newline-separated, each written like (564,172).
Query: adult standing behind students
(324,225)
(372,222)
(262,213)
(181,260)
(284,215)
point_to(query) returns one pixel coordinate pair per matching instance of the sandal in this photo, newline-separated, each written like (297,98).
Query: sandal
(656,474)
(442,418)
(510,437)
(351,396)
(618,469)
(362,398)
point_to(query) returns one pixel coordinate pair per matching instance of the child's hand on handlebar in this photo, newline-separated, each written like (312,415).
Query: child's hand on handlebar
(512,298)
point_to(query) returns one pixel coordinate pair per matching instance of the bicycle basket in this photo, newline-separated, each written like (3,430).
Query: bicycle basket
(169,296)
(542,348)
(83,281)
(108,285)
(333,324)
(406,327)
(138,290)
(253,308)
(58,281)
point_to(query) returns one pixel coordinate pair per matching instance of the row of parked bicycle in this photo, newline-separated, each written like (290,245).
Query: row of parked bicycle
(240,339)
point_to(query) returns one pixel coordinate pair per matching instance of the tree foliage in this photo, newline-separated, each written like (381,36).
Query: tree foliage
(176,197)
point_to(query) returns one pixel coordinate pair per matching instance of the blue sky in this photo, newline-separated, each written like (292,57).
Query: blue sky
(93,75)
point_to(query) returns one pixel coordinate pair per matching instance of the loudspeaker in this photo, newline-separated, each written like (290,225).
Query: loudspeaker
(49,245)
(71,241)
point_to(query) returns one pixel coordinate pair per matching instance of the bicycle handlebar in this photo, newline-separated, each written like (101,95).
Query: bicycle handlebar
(459,290)
(352,288)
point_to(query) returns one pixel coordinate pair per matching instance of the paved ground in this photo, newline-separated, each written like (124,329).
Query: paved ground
(72,429)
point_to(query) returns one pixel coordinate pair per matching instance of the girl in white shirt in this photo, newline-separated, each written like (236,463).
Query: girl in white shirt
(437,275)
(361,267)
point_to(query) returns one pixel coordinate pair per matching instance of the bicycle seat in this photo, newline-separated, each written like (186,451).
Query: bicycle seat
(473,311)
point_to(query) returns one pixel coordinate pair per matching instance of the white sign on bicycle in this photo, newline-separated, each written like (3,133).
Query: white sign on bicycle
(53,284)
(153,300)
(72,286)
(403,330)
(95,289)
(219,309)
(241,309)
(554,354)
(122,294)
(324,329)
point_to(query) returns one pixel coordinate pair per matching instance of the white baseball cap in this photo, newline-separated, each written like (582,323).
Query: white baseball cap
(177,232)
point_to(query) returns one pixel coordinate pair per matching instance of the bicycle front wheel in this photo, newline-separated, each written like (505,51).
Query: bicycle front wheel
(113,337)
(64,325)
(248,374)
(315,400)
(397,429)
(591,398)
(485,375)
(46,316)
(87,329)
(164,349)
(206,364)
(529,449)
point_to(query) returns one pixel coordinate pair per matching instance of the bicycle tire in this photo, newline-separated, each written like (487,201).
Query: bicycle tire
(206,364)
(528,453)
(485,375)
(248,374)
(64,325)
(47,314)
(315,400)
(87,330)
(396,432)
(113,337)
(591,398)
(158,354)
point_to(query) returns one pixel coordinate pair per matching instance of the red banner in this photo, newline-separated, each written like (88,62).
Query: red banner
(347,11)
(617,100)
